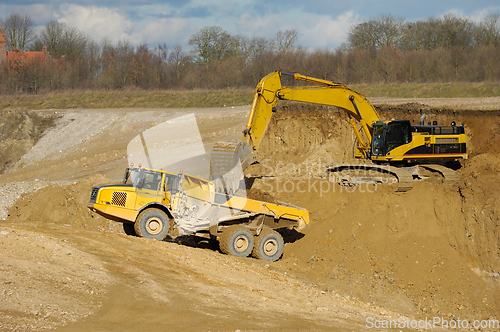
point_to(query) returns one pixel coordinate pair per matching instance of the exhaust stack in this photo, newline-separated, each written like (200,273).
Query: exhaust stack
(422,119)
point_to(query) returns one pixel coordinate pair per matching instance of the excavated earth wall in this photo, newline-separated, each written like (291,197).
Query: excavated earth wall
(430,252)
(434,249)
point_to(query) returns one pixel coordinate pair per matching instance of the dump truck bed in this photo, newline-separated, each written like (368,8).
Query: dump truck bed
(254,207)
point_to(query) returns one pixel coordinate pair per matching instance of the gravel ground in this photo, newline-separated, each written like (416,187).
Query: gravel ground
(489,103)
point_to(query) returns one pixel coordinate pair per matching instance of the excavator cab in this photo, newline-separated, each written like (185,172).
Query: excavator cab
(389,135)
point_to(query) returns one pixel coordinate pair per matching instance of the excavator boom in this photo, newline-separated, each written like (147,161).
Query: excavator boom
(227,156)
(269,91)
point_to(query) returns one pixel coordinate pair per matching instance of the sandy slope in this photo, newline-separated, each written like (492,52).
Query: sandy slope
(430,252)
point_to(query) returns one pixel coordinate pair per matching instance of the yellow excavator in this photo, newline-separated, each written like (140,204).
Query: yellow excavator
(385,142)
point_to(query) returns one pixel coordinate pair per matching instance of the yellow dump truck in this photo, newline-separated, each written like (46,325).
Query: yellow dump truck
(162,204)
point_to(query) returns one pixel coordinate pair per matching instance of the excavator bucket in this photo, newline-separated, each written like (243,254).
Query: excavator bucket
(227,162)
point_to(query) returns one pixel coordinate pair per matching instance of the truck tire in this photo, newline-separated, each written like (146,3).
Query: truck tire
(237,241)
(152,224)
(128,228)
(268,246)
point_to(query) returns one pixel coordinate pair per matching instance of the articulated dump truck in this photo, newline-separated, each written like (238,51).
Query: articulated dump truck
(161,204)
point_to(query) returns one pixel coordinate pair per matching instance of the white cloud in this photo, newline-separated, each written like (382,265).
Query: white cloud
(111,23)
(480,15)
(315,31)
(171,31)
(320,31)
(262,26)
(162,22)
(477,16)
(97,22)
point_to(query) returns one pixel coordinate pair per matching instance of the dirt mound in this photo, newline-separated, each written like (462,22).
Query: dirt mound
(432,251)
(62,205)
(402,251)
(46,281)
(480,238)
(20,129)
(261,195)
(302,139)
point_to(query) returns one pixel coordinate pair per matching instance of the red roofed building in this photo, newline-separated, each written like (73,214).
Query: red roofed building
(29,56)
(20,56)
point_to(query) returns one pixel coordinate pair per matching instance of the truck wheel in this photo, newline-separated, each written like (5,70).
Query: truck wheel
(128,228)
(152,224)
(236,241)
(268,245)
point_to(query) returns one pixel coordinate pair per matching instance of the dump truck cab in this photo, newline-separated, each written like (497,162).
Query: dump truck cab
(141,187)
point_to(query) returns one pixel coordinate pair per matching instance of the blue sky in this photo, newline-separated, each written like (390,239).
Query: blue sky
(320,23)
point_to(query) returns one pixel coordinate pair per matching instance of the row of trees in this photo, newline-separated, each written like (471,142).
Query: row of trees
(447,32)
(221,60)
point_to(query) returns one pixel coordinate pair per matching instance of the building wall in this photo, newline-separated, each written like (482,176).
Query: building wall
(3,47)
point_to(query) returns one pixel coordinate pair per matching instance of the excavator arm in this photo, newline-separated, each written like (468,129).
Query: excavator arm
(226,156)
(269,91)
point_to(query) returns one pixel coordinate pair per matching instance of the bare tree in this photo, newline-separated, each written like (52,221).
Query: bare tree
(285,41)
(258,47)
(363,35)
(455,31)
(51,36)
(389,30)
(62,40)
(122,61)
(248,49)
(213,44)
(488,32)
(20,32)
(178,61)
(383,31)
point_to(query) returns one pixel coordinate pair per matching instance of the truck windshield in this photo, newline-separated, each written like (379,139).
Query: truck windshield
(142,178)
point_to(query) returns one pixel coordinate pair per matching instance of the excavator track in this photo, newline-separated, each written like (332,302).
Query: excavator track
(449,175)
(405,179)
